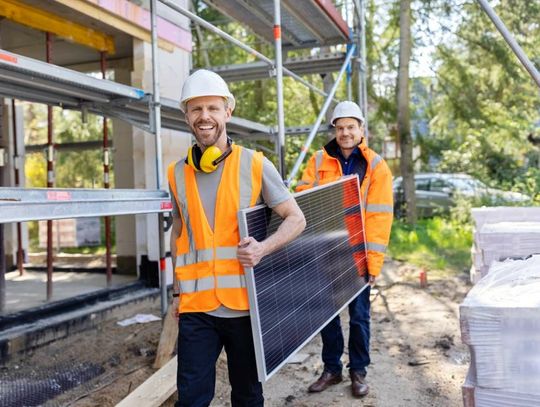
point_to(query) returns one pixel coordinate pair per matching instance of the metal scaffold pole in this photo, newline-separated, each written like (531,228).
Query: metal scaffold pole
(363,59)
(106,181)
(511,41)
(2,268)
(279,86)
(156,125)
(359,6)
(2,253)
(16,164)
(50,178)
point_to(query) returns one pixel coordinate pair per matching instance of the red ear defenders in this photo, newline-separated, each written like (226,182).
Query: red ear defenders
(209,160)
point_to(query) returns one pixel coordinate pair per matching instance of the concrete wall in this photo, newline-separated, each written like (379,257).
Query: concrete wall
(135,163)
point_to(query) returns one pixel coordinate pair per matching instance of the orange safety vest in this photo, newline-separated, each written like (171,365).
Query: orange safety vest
(375,192)
(207,269)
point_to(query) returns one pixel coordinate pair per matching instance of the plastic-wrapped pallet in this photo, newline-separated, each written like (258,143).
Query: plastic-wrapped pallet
(496,214)
(500,321)
(490,215)
(508,239)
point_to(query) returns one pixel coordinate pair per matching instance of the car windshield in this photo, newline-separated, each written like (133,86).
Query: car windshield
(467,184)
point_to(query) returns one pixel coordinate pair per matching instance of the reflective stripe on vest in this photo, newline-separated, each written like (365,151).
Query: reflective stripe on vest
(197,256)
(209,283)
(318,162)
(246,189)
(182,199)
(379,208)
(376,247)
(374,162)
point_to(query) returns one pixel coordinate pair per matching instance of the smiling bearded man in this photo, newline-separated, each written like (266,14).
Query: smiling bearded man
(208,188)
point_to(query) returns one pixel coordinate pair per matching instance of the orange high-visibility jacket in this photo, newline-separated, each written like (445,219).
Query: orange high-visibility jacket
(376,194)
(207,269)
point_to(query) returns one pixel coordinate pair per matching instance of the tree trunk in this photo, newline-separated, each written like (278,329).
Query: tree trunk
(403,116)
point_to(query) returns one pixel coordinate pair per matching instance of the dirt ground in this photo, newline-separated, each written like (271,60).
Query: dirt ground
(417,355)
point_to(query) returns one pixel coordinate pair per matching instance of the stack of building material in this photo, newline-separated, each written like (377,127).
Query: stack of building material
(497,243)
(496,214)
(509,239)
(500,321)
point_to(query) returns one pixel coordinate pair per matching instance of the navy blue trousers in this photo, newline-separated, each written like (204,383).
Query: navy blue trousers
(201,338)
(359,333)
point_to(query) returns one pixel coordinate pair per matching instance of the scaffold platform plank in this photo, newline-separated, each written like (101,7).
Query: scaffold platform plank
(315,64)
(31,80)
(304,23)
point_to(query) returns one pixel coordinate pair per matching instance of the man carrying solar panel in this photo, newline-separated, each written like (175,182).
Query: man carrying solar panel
(214,181)
(348,154)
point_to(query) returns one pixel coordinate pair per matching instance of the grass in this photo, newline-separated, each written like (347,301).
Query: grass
(437,244)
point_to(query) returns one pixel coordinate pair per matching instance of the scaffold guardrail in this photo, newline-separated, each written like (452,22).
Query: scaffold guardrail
(31,80)
(26,204)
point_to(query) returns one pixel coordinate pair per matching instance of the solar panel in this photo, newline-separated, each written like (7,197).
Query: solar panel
(297,290)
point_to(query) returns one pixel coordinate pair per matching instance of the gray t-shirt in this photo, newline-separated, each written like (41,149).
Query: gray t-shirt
(273,193)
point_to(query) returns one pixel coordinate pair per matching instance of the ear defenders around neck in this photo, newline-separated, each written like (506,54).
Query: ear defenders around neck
(207,161)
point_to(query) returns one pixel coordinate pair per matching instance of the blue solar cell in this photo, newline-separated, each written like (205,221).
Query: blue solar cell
(297,290)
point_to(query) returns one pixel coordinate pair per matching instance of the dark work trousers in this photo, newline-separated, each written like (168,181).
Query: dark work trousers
(201,338)
(332,336)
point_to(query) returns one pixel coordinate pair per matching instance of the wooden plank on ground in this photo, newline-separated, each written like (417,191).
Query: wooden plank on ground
(155,390)
(167,341)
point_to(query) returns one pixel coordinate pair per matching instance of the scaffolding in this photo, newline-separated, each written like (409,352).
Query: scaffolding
(36,81)
(288,24)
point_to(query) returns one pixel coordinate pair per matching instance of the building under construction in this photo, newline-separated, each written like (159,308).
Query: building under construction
(125,61)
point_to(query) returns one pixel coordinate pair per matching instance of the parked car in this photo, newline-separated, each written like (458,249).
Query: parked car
(437,192)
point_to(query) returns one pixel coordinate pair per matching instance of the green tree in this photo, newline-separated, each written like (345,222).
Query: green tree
(403,116)
(486,105)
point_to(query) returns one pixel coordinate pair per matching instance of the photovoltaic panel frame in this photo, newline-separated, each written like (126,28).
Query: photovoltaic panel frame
(295,291)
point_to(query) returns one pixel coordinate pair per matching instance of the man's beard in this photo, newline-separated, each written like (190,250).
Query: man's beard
(218,131)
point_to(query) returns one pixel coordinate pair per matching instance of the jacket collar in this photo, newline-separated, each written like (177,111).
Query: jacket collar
(332,147)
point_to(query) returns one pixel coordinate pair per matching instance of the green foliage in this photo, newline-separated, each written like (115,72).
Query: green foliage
(437,243)
(485,104)
(36,170)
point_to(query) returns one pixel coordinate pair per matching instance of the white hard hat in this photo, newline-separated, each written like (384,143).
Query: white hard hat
(205,83)
(347,109)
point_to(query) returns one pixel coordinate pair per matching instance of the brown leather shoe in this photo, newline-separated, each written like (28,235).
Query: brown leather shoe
(326,380)
(359,386)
